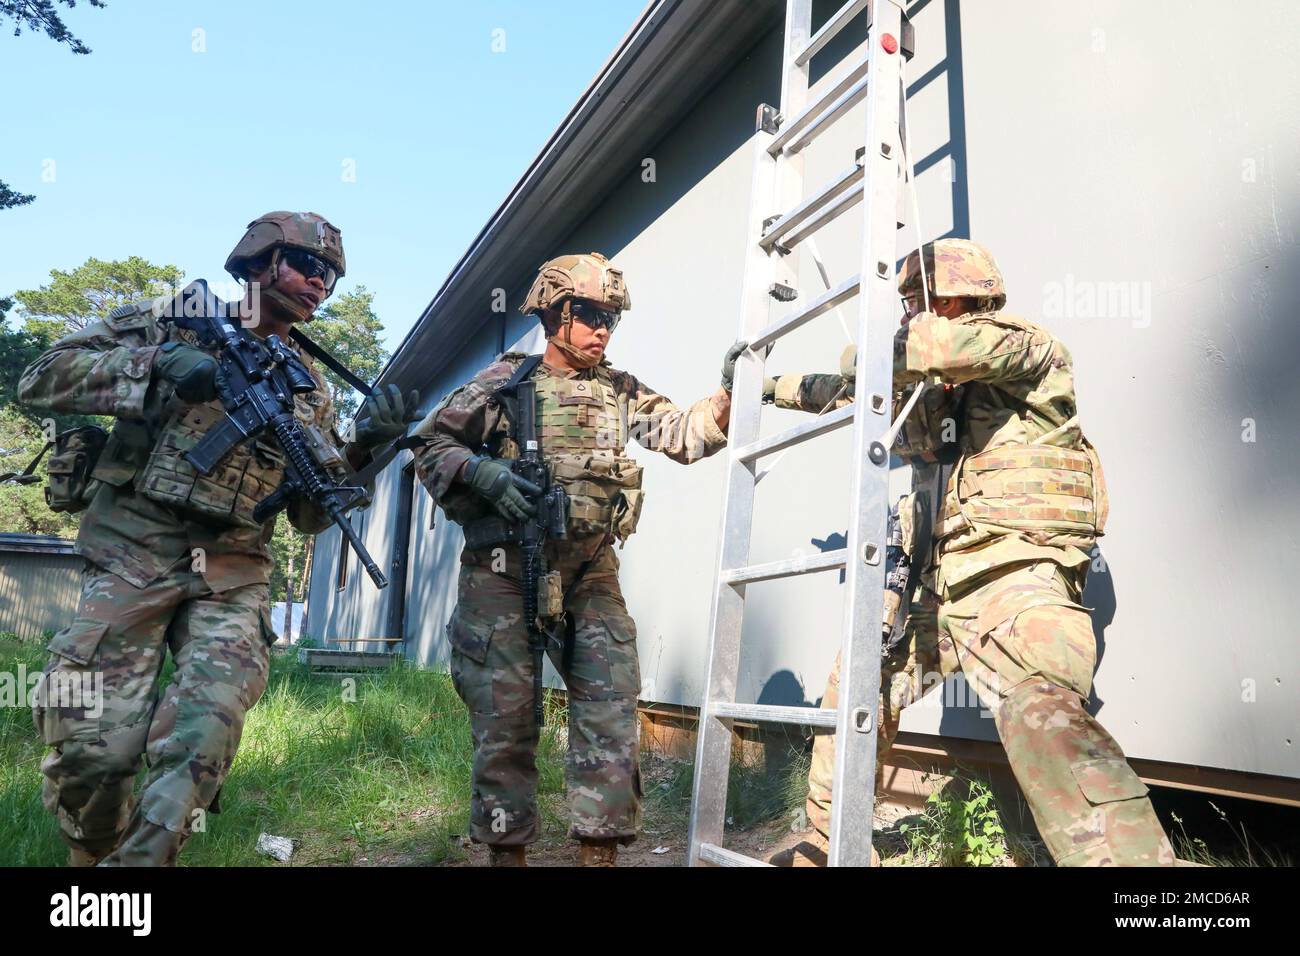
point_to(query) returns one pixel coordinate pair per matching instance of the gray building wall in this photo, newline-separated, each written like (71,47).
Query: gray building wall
(40,582)
(1133,169)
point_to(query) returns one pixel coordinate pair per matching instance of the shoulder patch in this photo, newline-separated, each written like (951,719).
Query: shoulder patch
(132,315)
(500,371)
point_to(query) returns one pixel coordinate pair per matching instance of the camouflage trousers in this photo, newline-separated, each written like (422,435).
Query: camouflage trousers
(1027,650)
(189,732)
(492,668)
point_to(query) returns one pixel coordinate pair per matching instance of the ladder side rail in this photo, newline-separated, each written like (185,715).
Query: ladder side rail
(726,616)
(855,738)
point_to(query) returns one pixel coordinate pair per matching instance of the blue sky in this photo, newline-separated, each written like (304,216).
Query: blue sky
(164,152)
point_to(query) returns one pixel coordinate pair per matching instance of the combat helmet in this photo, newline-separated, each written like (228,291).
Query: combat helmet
(955,267)
(298,230)
(589,276)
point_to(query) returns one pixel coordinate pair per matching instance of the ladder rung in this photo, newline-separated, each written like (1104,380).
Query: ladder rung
(800,433)
(826,561)
(841,205)
(793,126)
(813,204)
(822,304)
(771,714)
(838,21)
(720,856)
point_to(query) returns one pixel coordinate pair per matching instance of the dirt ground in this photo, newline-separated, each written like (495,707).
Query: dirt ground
(667,846)
(663,838)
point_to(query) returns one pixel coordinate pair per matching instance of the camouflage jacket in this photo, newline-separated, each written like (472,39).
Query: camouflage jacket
(1019,390)
(471,419)
(107,369)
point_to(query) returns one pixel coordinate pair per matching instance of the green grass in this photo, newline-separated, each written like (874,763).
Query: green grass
(383,778)
(1247,852)
(30,834)
(960,825)
(758,791)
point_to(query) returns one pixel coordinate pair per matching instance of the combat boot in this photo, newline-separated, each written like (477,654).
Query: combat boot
(509,856)
(597,852)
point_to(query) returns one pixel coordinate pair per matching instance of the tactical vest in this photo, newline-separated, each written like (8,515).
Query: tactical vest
(1048,494)
(582,424)
(249,473)
(1050,491)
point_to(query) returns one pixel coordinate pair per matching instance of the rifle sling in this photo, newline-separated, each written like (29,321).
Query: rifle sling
(31,466)
(506,394)
(334,365)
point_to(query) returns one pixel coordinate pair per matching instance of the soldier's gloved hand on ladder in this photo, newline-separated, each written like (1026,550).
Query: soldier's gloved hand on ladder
(495,481)
(729,363)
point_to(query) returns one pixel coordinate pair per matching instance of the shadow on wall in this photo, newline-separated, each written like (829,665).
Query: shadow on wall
(433,582)
(708,135)
(688,152)
(955,149)
(1099,594)
(786,690)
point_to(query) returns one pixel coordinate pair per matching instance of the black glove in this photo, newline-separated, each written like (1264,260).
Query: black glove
(383,416)
(495,481)
(192,372)
(729,363)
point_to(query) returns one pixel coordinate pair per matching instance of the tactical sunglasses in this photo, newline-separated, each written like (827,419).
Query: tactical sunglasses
(593,317)
(310,267)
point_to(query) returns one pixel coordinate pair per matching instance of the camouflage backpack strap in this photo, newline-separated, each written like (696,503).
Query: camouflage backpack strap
(28,475)
(507,393)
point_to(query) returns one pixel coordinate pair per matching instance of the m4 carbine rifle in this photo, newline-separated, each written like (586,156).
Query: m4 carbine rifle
(257,381)
(550,520)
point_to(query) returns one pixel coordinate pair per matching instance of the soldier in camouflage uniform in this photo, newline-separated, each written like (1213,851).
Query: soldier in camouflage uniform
(586,411)
(1008,501)
(174,559)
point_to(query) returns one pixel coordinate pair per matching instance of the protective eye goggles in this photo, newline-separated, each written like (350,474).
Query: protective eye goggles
(310,267)
(593,317)
(912,304)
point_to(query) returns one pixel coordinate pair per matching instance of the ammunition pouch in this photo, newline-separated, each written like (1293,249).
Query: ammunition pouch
(75,455)
(491,531)
(248,474)
(605,494)
(550,596)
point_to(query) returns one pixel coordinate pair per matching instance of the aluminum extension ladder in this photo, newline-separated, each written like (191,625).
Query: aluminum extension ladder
(873,180)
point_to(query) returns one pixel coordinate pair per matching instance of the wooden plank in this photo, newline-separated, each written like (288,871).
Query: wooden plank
(326,658)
